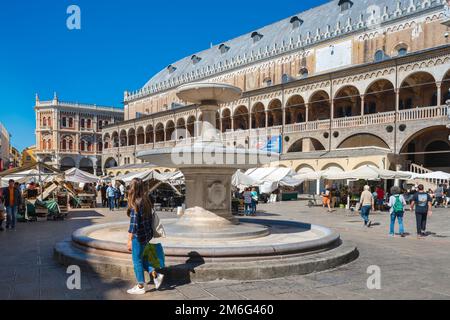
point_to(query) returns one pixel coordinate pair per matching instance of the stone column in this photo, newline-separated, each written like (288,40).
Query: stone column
(267,119)
(362,104)
(398,167)
(307,112)
(397,100)
(439,93)
(332,109)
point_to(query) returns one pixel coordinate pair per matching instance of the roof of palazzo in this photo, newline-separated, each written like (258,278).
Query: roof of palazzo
(317,24)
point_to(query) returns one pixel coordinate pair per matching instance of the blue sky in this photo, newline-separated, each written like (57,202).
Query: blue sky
(121,45)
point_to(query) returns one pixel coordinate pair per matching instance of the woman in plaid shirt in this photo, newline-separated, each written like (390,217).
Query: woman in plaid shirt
(140,234)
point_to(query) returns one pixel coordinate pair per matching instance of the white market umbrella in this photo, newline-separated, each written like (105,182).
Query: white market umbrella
(240,180)
(367,173)
(438,175)
(76,175)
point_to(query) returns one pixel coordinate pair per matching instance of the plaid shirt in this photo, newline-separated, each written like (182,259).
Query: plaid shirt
(141,227)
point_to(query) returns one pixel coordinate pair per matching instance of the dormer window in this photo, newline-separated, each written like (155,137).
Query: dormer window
(296,22)
(256,36)
(345,5)
(171,68)
(195,59)
(224,48)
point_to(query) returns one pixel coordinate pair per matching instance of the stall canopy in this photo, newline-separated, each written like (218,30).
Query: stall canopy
(367,173)
(173,178)
(241,181)
(78,176)
(28,176)
(438,175)
(272,178)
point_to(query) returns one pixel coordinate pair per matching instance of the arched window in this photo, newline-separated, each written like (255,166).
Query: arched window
(402,51)
(83,145)
(303,73)
(44,122)
(49,121)
(70,145)
(89,123)
(70,122)
(64,144)
(64,122)
(49,144)
(379,56)
(82,123)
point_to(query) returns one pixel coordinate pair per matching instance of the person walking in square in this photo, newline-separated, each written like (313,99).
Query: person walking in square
(111,193)
(140,233)
(367,203)
(255,200)
(380,198)
(103,189)
(248,202)
(12,199)
(326,198)
(423,204)
(397,205)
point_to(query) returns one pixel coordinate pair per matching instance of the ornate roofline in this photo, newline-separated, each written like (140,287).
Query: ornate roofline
(389,16)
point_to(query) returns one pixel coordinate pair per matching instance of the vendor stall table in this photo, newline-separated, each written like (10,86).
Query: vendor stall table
(87,200)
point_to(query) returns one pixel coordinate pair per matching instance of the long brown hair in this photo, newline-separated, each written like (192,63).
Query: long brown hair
(138,198)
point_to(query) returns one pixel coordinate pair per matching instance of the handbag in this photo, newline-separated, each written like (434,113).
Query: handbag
(158,229)
(154,254)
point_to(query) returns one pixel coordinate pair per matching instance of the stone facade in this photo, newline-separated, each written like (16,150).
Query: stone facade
(379,81)
(70,134)
(4,148)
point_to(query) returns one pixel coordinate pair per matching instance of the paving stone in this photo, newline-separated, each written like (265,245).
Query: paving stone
(224,293)
(411,269)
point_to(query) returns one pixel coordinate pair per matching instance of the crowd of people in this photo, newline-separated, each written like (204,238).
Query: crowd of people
(250,200)
(113,195)
(420,201)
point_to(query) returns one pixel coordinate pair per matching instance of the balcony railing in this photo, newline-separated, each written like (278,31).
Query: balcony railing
(423,113)
(321,125)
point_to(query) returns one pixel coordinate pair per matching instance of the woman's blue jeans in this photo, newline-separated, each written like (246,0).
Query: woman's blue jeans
(365,211)
(140,264)
(399,217)
(248,208)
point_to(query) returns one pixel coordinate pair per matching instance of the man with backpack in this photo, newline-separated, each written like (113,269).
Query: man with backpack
(424,204)
(397,204)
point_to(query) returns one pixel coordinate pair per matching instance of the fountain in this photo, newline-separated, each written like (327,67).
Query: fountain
(208,242)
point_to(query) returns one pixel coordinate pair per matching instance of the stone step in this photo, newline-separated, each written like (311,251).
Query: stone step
(279,266)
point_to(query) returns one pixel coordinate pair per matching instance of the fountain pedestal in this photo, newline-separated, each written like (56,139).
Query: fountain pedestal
(208,242)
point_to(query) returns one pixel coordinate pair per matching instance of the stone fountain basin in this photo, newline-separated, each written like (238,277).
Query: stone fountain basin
(201,92)
(277,238)
(199,155)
